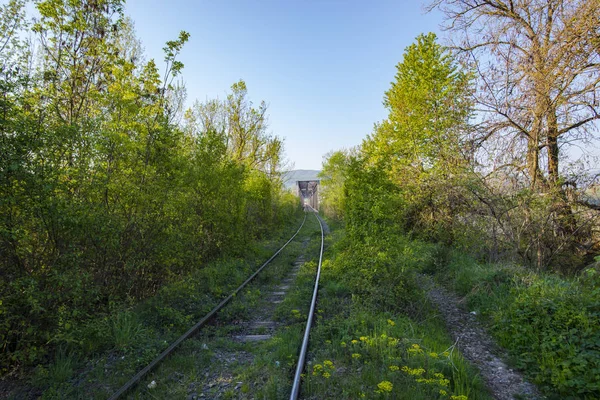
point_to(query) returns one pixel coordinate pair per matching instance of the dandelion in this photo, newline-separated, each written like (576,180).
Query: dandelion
(355,355)
(394,368)
(390,322)
(385,386)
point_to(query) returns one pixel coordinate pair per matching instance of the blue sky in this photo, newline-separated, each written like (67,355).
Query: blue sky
(322,66)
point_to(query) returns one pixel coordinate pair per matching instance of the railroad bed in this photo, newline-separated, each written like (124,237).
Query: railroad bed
(222,354)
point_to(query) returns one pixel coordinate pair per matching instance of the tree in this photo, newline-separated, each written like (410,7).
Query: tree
(538,67)
(244,127)
(420,144)
(333,175)
(538,72)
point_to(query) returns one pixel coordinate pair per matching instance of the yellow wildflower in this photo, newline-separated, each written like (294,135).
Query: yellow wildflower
(385,386)
(443,392)
(433,355)
(461,397)
(415,349)
(343,344)
(438,375)
(390,322)
(355,355)
(394,368)
(326,375)
(363,338)
(416,371)
(354,341)
(328,363)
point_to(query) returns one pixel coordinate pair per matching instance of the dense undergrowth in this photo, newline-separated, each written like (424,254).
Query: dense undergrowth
(109,189)
(376,335)
(422,175)
(549,324)
(112,347)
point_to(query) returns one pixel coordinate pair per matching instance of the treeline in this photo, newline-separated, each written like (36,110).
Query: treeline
(108,189)
(486,143)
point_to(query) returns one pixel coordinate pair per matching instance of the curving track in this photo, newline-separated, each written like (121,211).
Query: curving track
(313,304)
(303,349)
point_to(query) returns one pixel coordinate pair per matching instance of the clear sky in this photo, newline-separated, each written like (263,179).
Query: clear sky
(321,65)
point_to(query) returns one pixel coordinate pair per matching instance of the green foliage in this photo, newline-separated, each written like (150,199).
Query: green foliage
(104,198)
(378,338)
(126,330)
(333,175)
(548,324)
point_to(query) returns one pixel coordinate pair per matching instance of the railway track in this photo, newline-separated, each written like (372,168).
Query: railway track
(134,381)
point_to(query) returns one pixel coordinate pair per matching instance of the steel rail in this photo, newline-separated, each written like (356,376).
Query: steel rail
(311,313)
(135,380)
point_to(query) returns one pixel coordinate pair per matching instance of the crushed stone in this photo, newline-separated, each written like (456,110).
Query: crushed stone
(477,345)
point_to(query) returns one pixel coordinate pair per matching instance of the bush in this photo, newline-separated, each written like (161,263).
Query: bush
(548,324)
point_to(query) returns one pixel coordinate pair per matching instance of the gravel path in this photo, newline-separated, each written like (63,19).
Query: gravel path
(477,346)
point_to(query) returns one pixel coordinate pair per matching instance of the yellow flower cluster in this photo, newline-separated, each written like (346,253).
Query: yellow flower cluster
(324,369)
(461,397)
(416,371)
(385,387)
(433,381)
(390,322)
(394,368)
(415,349)
(355,355)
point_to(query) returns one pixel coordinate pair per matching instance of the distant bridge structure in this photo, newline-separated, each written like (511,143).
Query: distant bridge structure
(308,191)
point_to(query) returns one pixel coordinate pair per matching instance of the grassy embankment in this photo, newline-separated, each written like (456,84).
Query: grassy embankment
(549,324)
(375,335)
(111,348)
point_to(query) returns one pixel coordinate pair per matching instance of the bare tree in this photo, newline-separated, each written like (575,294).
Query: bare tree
(538,64)
(538,68)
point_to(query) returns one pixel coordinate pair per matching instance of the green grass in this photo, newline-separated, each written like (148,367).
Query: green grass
(110,349)
(354,343)
(263,367)
(548,324)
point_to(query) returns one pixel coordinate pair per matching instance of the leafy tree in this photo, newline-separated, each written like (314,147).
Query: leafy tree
(333,175)
(420,144)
